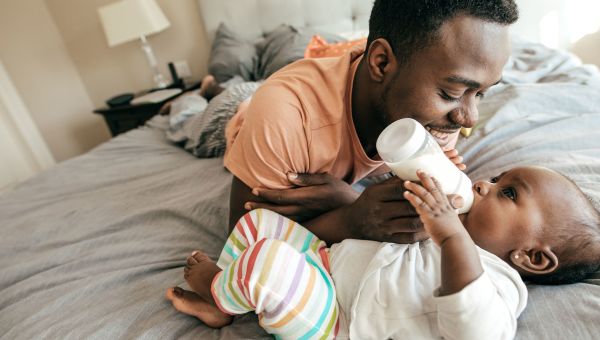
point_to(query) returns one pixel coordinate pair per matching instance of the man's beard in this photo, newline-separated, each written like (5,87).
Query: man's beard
(382,116)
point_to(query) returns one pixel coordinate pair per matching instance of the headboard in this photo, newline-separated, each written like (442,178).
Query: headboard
(252,18)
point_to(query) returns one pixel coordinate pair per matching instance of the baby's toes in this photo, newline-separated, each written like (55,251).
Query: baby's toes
(191,260)
(197,257)
(200,256)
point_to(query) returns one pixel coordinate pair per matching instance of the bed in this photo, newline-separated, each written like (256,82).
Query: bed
(88,247)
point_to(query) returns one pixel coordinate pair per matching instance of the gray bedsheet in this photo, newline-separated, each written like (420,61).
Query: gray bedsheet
(88,248)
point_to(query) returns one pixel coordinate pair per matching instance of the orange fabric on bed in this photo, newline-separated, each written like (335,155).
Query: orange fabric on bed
(319,48)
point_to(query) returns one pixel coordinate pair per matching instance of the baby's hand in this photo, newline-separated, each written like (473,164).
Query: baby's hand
(439,217)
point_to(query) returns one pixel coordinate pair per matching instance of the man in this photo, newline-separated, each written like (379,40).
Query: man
(427,60)
(430,60)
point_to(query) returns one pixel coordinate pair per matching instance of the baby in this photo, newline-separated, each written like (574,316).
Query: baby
(464,283)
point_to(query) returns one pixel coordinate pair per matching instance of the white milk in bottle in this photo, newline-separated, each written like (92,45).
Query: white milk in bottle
(406,146)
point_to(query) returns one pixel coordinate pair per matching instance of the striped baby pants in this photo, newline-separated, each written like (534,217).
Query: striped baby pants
(280,270)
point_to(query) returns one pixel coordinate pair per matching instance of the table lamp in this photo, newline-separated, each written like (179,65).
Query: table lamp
(128,20)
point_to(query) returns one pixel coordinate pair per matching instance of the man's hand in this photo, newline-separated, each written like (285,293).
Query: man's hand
(313,195)
(449,148)
(381,213)
(455,158)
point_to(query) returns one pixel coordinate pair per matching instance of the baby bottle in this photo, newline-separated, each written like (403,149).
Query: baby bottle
(406,146)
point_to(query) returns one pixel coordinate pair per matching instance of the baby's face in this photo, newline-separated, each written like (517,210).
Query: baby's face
(509,210)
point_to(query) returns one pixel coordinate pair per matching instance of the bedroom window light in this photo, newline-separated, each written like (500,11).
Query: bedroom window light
(583,18)
(129,20)
(550,33)
(557,23)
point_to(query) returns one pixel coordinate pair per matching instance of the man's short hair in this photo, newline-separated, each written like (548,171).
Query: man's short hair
(411,25)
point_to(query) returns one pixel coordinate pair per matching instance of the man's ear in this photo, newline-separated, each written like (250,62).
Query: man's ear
(381,60)
(535,261)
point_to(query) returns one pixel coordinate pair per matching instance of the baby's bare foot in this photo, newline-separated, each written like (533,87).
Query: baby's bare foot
(192,304)
(199,274)
(206,83)
(210,88)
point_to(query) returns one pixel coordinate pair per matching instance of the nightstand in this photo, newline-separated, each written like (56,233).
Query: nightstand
(126,117)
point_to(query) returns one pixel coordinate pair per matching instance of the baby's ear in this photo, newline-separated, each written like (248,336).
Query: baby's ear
(535,261)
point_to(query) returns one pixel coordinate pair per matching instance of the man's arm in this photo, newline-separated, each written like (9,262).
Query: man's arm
(330,227)
(313,195)
(240,194)
(380,213)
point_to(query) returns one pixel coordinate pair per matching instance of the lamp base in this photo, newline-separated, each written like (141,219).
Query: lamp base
(159,80)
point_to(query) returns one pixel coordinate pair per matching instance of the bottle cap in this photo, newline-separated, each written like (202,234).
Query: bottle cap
(400,140)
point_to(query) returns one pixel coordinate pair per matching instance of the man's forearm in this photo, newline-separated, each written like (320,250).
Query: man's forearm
(460,263)
(331,226)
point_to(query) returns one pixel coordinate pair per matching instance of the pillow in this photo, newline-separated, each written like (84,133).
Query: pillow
(283,46)
(230,55)
(320,48)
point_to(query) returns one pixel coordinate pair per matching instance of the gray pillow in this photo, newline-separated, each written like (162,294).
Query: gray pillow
(285,45)
(231,55)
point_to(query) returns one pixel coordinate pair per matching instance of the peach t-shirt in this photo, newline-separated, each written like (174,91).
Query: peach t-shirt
(299,120)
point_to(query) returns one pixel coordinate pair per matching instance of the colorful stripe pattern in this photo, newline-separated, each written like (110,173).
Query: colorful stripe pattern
(280,270)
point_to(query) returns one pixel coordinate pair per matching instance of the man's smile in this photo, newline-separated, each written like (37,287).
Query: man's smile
(441,136)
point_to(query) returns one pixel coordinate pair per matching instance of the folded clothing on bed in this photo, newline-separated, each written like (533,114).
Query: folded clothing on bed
(204,135)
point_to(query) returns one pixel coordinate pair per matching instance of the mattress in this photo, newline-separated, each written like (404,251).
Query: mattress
(88,248)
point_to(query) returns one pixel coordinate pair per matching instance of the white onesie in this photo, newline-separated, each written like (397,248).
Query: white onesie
(389,291)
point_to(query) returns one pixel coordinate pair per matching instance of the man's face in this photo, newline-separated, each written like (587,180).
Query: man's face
(441,85)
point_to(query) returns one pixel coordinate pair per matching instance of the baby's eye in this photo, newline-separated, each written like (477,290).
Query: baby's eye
(511,193)
(494,179)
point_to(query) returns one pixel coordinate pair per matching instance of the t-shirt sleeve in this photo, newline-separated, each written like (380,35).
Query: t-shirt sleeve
(487,308)
(271,141)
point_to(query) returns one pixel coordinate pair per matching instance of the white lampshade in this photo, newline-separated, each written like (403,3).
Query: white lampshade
(128,20)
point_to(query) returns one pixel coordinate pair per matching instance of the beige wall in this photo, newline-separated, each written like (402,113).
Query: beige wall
(588,48)
(107,71)
(37,61)
(56,54)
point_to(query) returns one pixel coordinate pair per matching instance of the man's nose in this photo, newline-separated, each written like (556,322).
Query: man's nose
(468,112)
(482,187)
